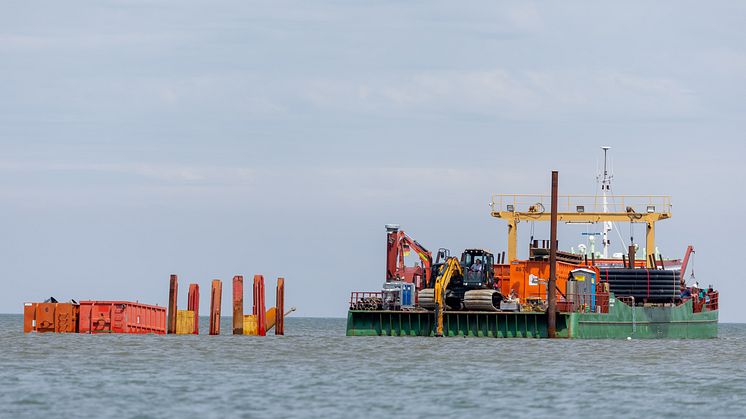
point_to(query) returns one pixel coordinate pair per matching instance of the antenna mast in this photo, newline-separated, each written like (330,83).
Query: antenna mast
(605,180)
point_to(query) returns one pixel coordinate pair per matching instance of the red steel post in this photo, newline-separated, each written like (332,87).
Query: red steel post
(255,292)
(172,298)
(280,307)
(215,303)
(259,309)
(193,305)
(238,305)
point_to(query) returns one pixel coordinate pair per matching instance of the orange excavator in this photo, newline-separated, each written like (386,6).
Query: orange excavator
(398,245)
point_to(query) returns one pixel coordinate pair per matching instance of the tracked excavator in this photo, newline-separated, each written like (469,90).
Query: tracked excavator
(470,287)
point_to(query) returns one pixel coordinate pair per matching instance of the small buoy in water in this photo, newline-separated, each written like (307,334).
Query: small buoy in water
(629,338)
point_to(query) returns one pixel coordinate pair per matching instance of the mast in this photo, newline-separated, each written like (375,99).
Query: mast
(605,180)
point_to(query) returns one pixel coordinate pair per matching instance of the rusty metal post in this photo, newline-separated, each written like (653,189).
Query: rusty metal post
(238,305)
(280,307)
(193,305)
(632,256)
(552,285)
(172,298)
(215,303)
(261,323)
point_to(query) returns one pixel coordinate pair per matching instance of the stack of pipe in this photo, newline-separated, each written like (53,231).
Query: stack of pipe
(645,285)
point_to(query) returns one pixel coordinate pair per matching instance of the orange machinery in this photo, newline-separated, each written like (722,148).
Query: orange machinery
(528,278)
(399,244)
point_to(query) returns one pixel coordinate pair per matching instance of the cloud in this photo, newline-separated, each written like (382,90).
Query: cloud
(31,43)
(160,172)
(506,94)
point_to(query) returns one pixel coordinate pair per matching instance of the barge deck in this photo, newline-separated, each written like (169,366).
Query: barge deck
(622,321)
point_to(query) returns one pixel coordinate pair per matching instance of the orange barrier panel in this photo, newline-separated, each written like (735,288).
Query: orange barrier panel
(238,305)
(193,305)
(29,317)
(50,317)
(121,317)
(250,326)
(215,302)
(184,322)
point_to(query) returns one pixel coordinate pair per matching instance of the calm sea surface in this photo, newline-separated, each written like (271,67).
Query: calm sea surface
(315,371)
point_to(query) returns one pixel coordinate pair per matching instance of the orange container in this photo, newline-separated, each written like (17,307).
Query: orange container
(50,317)
(121,317)
(529,278)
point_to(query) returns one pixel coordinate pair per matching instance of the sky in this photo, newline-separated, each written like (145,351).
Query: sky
(209,139)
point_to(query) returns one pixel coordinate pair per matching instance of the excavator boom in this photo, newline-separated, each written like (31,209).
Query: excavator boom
(397,243)
(447,271)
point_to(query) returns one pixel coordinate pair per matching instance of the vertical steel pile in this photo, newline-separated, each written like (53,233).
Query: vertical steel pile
(259,309)
(280,307)
(215,302)
(172,298)
(238,305)
(552,285)
(193,305)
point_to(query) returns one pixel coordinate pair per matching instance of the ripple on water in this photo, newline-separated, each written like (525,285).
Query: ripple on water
(316,371)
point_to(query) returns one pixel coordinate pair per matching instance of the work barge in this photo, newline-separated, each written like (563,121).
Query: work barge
(549,294)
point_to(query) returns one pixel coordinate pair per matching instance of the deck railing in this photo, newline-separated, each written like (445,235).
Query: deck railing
(365,300)
(708,302)
(570,303)
(582,203)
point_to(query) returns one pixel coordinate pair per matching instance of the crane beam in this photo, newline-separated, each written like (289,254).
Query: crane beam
(514,217)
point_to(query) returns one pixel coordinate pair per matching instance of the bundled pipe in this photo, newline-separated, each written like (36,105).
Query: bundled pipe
(654,286)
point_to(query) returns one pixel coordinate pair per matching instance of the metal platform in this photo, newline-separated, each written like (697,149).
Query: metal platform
(622,321)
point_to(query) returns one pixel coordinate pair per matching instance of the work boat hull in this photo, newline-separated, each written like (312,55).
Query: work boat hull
(621,322)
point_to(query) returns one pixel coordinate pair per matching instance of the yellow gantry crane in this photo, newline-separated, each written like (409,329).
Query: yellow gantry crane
(582,209)
(447,271)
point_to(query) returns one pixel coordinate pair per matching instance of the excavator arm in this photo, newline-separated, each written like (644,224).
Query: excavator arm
(447,271)
(397,242)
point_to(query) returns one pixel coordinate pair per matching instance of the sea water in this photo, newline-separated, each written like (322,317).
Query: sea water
(316,371)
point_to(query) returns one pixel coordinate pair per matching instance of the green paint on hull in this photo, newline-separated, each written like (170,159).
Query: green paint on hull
(621,322)
(624,321)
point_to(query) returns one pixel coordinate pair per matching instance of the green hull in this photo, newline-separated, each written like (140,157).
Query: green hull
(621,322)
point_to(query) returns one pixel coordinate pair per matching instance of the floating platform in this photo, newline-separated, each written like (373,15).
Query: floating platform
(621,321)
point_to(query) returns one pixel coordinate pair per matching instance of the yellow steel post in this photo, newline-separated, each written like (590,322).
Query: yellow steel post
(512,240)
(650,243)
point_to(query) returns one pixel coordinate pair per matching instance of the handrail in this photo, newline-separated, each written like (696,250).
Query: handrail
(365,300)
(574,302)
(660,204)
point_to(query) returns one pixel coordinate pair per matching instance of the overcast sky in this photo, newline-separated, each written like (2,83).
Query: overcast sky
(207,139)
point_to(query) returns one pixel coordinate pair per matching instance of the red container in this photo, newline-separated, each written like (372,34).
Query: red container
(121,317)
